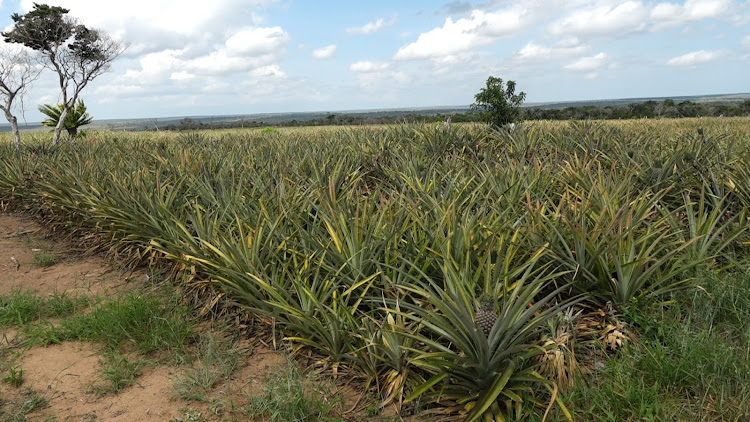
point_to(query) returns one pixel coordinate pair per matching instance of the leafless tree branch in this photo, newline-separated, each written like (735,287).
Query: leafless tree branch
(16,74)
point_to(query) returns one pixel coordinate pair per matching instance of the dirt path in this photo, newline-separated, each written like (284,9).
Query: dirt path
(30,262)
(61,375)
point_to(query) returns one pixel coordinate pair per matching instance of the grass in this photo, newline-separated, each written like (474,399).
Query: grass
(217,360)
(290,396)
(188,415)
(14,376)
(23,307)
(136,321)
(128,326)
(691,363)
(45,259)
(118,372)
(16,412)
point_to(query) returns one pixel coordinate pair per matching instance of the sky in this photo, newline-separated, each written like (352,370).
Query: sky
(218,57)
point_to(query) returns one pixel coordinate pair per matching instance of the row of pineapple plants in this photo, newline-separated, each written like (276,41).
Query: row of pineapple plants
(462,273)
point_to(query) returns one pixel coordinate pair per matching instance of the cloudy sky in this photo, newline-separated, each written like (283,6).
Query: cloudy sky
(188,57)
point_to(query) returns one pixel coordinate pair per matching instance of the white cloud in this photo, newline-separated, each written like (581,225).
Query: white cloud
(383,85)
(480,29)
(325,52)
(270,70)
(220,62)
(253,51)
(607,18)
(181,16)
(181,76)
(254,41)
(695,58)
(746,41)
(368,66)
(371,27)
(149,26)
(603,19)
(587,64)
(566,48)
(667,15)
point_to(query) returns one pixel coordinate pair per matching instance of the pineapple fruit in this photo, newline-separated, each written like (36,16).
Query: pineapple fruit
(486,315)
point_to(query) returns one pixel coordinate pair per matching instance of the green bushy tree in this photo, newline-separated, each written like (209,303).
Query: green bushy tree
(497,103)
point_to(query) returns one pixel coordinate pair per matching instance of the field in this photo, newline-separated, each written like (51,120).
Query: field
(561,271)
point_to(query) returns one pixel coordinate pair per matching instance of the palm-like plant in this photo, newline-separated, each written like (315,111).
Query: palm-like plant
(77,117)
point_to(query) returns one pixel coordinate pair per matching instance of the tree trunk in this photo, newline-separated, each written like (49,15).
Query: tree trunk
(14,128)
(60,125)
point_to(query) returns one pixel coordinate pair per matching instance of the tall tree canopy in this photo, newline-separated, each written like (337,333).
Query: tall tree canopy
(77,54)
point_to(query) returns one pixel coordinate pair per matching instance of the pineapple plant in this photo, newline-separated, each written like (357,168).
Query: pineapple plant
(486,315)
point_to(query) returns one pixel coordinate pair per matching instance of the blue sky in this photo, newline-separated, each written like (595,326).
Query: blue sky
(252,56)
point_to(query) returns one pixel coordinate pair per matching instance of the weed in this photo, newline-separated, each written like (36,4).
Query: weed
(189,415)
(118,372)
(31,402)
(217,360)
(45,259)
(14,377)
(24,306)
(693,361)
(43,333)
(290,396)
(143,322)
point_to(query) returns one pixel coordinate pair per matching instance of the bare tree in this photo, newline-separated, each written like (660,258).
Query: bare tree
(16,74)
(76,53)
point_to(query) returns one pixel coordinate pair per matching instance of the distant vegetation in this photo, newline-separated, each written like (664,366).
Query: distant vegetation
(648,109)
(638,110)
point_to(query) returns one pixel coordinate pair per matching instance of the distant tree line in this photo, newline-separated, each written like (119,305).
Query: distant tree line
(649,109)
(330,120)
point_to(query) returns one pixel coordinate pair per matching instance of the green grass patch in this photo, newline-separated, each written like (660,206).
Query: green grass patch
(136,321)
(289,395)
(692,361)
(217,360)
(45,259)
(118,372)
(14,376)
(25,306)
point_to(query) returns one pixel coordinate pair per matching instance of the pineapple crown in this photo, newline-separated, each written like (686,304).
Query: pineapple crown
(487,302)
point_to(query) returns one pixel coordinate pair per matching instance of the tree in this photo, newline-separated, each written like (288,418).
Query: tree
(16,73)
(77,117)
(498,105)
(76,53)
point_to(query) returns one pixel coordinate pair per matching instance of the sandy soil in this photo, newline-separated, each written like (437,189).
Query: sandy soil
(22,239)
(63,374)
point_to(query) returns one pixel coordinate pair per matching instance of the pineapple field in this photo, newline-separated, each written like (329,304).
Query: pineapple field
(558,271)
